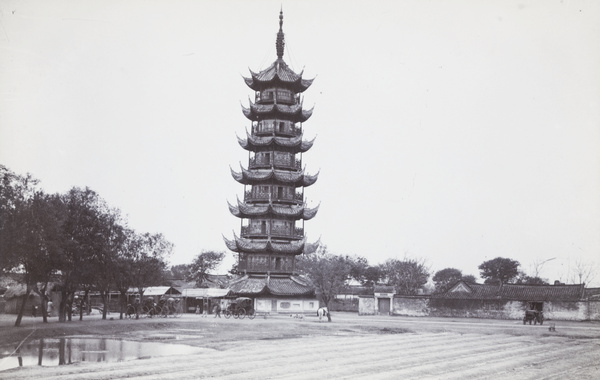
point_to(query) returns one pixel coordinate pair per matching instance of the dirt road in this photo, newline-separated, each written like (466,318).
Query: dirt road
(351,347)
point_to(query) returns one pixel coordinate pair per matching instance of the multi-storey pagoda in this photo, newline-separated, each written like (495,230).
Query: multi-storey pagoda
(273,210)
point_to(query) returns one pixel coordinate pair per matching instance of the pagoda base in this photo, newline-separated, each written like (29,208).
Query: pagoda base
(277,294)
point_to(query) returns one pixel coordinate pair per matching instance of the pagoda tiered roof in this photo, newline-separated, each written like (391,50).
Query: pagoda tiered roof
(240,244)
(278,74)
(253,285)
(293,112)
(251,142)
(245,210)
(259,176)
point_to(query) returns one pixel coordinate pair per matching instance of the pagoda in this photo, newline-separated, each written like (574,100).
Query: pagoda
(273,210)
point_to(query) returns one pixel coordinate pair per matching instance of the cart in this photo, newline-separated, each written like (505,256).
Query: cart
(240,308)
(534,316)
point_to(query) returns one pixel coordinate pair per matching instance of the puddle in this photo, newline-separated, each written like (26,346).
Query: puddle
(62,351)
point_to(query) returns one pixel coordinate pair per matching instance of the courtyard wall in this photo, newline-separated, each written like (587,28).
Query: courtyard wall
(423,306)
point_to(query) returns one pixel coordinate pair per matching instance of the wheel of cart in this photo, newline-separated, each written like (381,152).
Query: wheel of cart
(227,313)
(241,313)
(151,311)
(250,313)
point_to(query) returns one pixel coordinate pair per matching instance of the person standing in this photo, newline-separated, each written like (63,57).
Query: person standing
(217,310)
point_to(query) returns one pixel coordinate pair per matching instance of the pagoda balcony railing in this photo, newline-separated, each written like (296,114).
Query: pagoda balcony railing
(279,96)
(264,267)
(250,196)
(258,232)
(275,128)
(263,163)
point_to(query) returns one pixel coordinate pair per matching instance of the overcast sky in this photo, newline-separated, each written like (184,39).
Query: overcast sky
(454,131)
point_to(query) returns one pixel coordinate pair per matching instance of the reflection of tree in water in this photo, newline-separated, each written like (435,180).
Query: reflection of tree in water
(64,351)
(102,354)
(41,352)
(61,351)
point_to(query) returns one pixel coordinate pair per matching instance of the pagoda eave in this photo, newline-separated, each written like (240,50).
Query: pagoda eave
(293,113)
(293,145)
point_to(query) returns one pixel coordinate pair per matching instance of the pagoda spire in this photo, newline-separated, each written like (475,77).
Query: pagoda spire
(280,42)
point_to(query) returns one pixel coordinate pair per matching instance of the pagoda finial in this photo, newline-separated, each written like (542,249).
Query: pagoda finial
(280,43)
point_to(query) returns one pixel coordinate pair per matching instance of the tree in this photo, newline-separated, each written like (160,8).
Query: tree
(446,277)
(499,270)
(203,263)
(407,276)
(15,193)
(122,276)
(364,273)
(372,275)
(180,271)
(84,240)
(29,237)
(328,273)
(107,256)
(524,279)
(583,272)
(148,253)
(469,279)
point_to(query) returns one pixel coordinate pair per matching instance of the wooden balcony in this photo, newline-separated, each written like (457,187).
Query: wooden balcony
(269,128)
(279,97)
(263,233)
(250,197)
(259,263)
(263,163)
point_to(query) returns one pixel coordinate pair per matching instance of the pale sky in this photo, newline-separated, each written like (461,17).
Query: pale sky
(454,131)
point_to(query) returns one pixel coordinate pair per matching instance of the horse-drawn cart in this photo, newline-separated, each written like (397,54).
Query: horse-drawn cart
(240,308)
(534,316)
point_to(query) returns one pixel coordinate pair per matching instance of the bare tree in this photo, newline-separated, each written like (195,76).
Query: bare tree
(583,272)
(537,265)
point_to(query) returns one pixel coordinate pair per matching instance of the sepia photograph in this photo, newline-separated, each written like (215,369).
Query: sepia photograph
(299,189)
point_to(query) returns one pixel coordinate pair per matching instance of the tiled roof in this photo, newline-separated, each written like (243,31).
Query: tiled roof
(592,293)
(239,244)
(253,177)
(245,210)
(280,286)
(383,289)
(293,112)
(278,74)
(252,142)
(155,290)
(462,290)
(204,292)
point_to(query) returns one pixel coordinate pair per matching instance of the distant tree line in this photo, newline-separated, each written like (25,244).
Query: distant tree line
(73,242)
(76,242)
(331,274)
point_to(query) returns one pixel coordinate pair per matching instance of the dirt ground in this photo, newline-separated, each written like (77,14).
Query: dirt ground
(351,346)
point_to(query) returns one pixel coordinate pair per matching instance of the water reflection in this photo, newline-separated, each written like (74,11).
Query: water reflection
(61,351)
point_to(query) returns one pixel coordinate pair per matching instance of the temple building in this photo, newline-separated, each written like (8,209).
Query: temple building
(273,210)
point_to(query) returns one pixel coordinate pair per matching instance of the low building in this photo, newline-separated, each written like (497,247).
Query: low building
(277,295)
(509,301)
(153,293)
(202,300)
